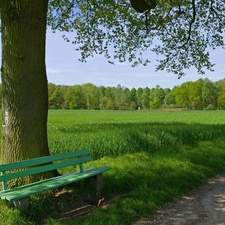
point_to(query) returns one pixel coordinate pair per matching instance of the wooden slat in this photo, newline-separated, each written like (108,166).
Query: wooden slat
(44,168)
(34,188)
(41,160)
(4,183)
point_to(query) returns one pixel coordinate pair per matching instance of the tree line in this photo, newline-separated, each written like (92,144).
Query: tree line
(197,95)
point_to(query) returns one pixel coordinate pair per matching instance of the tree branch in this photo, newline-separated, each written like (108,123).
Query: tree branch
(214,11)
(191,23)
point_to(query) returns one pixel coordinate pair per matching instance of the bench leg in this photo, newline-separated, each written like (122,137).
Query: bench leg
(21,204)
(98,180)
(93,197)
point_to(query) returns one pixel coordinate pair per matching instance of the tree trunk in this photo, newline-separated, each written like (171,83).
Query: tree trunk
(24,80)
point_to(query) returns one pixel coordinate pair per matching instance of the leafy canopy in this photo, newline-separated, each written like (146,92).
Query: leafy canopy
(180,31)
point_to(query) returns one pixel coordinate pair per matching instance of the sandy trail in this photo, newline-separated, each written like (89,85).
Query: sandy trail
(205,205)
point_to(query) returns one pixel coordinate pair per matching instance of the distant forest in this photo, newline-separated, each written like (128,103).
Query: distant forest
(198,95)
(202,94)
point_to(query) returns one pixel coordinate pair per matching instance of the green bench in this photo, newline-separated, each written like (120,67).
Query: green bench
(19,195)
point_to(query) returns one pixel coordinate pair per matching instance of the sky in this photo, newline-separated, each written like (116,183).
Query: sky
(63,68)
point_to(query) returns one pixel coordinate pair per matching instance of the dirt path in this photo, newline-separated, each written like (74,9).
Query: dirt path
(203,206)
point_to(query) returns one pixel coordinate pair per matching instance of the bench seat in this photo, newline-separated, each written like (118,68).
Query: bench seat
(44,185)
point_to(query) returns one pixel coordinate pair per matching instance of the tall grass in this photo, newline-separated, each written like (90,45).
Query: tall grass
(114,133)
(155,157)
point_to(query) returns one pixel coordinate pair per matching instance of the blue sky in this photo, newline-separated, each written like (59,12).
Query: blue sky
(63,68)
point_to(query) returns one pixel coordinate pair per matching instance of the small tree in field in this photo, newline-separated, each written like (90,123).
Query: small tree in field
(185,29)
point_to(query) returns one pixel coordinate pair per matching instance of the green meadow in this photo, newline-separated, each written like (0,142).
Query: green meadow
(115,133)
(156,157)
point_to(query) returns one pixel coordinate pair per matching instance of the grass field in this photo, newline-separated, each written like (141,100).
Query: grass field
(156,156)
(114,133)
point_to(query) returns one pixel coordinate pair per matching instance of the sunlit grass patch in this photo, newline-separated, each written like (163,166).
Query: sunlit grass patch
(11,216)
(156,157)
(114,133)
(144,182)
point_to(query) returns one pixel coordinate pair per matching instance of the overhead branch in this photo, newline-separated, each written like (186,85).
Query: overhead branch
(142,5)
(191,24)
(214,11)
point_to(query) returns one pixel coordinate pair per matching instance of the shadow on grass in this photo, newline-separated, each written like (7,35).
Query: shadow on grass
(137,185)
(144,182)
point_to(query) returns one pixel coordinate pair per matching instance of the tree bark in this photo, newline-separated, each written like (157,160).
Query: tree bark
(24,80)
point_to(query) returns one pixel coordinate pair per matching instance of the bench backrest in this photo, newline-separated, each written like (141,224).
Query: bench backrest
(42,164)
